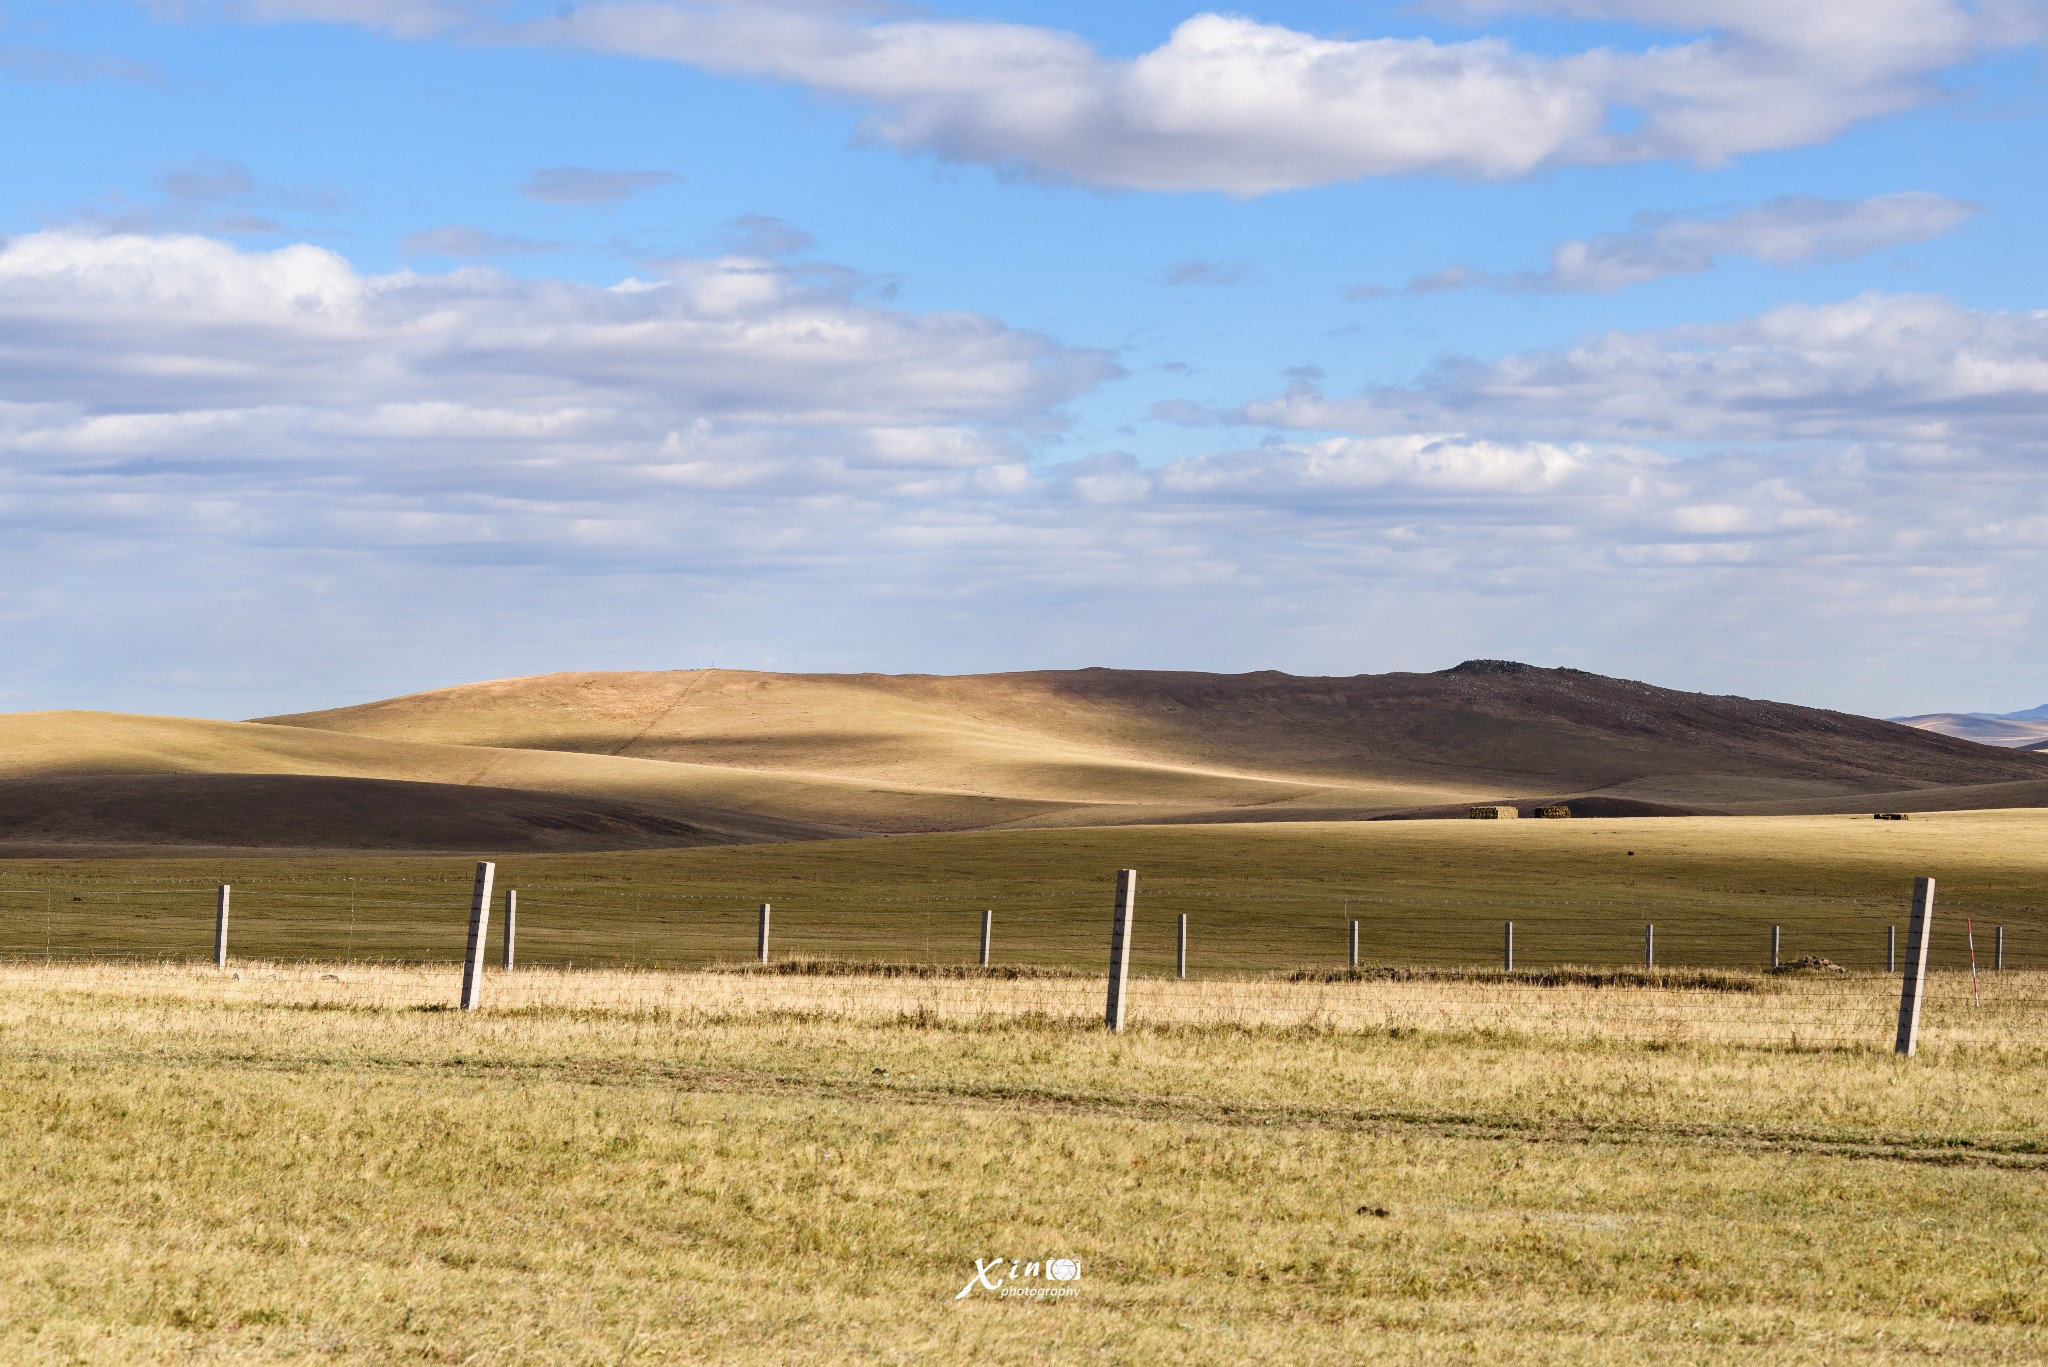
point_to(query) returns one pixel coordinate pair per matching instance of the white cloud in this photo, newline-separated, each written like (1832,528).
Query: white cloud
(1416,465)
(1225,103)
(179,325)
(288,478)
(1786,231)
(1887,368)
(1228,103)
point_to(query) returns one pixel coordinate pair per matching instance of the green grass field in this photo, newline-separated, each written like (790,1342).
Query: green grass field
(1257,897)
(323,1164)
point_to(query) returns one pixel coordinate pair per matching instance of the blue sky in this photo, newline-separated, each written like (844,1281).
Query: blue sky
(352,348)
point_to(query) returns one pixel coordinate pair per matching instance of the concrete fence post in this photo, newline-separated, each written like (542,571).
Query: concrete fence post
(988,925)
(1649,946)
(511,928)
(1353,959)
(762,949)
(1777,943)
(479,931)
(1180,949)
(220,927)
(1507,948)
(1891,949)
(1120,947)
(1913,986)
(1998,952)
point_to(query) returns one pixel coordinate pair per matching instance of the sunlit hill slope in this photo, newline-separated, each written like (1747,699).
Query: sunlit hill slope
(628,760)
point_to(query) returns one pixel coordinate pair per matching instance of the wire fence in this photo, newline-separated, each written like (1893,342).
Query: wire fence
(1578,967)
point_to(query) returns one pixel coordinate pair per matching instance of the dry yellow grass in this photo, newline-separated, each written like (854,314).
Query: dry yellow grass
(732,1168)
(1794,1010)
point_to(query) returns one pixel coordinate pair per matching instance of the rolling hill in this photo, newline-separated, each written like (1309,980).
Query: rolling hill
(2026,730)
(1100,745)
(109,779)
(622,760)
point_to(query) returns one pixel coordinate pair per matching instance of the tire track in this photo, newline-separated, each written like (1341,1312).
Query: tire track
(2028,1155)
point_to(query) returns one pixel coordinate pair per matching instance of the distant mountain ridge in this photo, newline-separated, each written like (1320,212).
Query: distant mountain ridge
(2009,730)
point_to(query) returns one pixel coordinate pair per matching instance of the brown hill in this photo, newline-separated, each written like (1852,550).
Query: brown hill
(625,760)
(104,750)
(1101,744)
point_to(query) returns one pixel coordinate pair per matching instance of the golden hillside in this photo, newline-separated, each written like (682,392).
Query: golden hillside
(1094,745)
(623,760)
(967,740)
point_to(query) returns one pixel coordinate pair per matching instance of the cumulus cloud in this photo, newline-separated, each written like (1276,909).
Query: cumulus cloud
(1787,231)
(581,185)
(222,460)
(1893,368)
(1225,103)
(141,331)
(1228,103)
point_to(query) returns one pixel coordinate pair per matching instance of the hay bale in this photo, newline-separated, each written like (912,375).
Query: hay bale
(1493,813)
(1889,816)
(1558,813)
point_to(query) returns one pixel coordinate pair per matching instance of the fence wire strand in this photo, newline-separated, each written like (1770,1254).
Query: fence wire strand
(1426,962)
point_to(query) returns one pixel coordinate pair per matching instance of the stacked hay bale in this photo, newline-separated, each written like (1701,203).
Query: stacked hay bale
(1493,813)
(1554,813)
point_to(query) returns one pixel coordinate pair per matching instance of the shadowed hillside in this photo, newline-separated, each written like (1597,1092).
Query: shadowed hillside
(625,760)
(293,811)
(109,778)
(1255,746)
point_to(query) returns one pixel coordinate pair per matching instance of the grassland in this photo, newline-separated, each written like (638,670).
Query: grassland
(1258,898)
(318,1163)
(311,1157)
